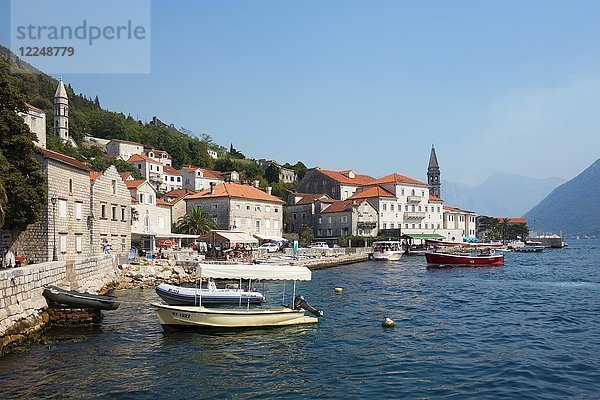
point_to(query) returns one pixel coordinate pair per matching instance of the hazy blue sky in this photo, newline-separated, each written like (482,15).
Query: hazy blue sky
(506,85)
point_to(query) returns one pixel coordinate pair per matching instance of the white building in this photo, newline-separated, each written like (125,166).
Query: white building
(150,169)
(197,179)
(171,179)
(459,224)
(212,154)
(151,217)
(35,119)
(159,155)
(123,149)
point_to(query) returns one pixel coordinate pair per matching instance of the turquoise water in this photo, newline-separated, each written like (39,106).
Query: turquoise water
(529,329)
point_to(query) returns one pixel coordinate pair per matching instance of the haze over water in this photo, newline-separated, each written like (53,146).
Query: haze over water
(530,329)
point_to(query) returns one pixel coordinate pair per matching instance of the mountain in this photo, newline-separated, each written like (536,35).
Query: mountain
(571,208)
(502,195)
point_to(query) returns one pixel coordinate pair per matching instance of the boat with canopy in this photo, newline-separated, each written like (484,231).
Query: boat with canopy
(178,317)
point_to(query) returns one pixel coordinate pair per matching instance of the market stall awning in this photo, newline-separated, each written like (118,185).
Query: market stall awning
(176,236)
(231,236)
(272,238)
(421,236)
(254,271)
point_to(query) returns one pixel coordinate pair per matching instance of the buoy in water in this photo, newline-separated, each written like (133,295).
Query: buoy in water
(387,322)
(338,290)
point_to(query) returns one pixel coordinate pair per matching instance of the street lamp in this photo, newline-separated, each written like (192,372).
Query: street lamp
(54,200)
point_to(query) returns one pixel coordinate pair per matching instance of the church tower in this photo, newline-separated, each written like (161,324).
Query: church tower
(433,174)
(61,112)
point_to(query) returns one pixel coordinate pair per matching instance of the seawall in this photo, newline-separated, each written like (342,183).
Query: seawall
(23,308)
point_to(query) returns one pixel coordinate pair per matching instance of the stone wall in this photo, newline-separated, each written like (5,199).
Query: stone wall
(21,302)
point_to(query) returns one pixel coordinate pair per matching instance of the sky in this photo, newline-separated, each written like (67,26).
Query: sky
(370,85)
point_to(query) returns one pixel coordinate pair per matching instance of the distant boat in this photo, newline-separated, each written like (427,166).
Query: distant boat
(389,250)
(71,299)
(530,247)
(463,259)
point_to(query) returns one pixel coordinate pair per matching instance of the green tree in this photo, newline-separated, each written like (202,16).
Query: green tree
(195,222)
(272,173)
(21,173)
(306,234)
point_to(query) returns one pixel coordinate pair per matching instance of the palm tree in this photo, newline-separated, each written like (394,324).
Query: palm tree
(195,222)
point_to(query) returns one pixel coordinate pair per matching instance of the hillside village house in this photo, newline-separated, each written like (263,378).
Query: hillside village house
(197,179)
(177,199)
(151,217)
(338,185)
(242,208)
(110,212)
(347,218)
(35,119)
(151,170)
(158,155)
(65,220)
(171,179)
(123,149)
(304,209)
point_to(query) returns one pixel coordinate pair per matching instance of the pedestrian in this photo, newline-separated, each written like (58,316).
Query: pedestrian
(9,259)
(107,246)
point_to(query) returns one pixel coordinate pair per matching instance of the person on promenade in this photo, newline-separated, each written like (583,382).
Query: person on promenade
(9,258)
(107,246)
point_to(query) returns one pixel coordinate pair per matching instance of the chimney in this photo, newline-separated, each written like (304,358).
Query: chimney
(212,187)
(269,188)
(256,183)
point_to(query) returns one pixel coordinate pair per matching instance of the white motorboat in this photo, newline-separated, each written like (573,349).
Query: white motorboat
(390,250)
(231,294)
(178,317)
(530,247)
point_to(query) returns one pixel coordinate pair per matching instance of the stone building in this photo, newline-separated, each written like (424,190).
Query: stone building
(65,221)
(244,208)
(197,179)
(123,149)
(347,218)
(177,200)
(111,212)
(338,185)
(35,119)
(304,208)
(158,155)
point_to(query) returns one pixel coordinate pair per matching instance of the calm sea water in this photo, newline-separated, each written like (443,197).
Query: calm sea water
(529,329)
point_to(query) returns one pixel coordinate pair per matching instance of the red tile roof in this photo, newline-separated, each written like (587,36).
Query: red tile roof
(227,189)
(176,193)
(94,175)
(375,191)
(161,202)
(64,159)
(141,157)
(170,170)
(433,198)
(125,175)
(34,108)
(454,209)
(340,206)
(133,184)
(344,177)
(207,173)
(311,198)
(397,178)
(513,220)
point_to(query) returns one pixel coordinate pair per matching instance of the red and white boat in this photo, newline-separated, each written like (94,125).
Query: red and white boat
(463,259)
(431,242)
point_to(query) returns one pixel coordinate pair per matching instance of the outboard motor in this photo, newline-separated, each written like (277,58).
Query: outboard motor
(300,302)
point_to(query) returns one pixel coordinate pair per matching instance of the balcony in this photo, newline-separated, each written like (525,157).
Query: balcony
(366,225)
(414,215)
(413,199)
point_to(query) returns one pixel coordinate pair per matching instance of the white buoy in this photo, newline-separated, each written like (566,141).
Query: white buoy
(338,290)
(388,322)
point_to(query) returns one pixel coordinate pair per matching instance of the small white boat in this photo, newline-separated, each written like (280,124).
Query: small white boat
(389,250)
(231,294)
(178,317)
(530,247)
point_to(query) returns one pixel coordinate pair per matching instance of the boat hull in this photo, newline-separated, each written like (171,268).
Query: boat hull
(176,295)
(445,259)
(193,317)
(66,298)
(387,255)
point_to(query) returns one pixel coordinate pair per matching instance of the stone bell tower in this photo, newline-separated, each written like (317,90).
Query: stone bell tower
(433,174)
(61,112)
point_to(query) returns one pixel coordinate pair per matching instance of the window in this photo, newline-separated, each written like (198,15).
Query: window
(70,186)
(344,218)
(215,206)
(425,226)
(146,223)
(257,208)
(123,242)
(406,226)
(78,206)
(320,220)
(276,209)
(139,166)
(122,213)
(113,184)
(329,232)
(303,216)
(391,207)
(413,226)
(258,225)
(141,198)
(62,208)
(114,213)
(384,207)
(237,207)
(329,219)
(406,207)
(268,224)
(319,232)
(63,243)
(268,209)
(150,199)
(384,225)
(102,210)
(248,208)
(78,245)
(391,225)
(295,216)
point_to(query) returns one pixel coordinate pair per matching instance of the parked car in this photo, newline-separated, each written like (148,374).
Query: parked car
(271,247)
(318,245)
